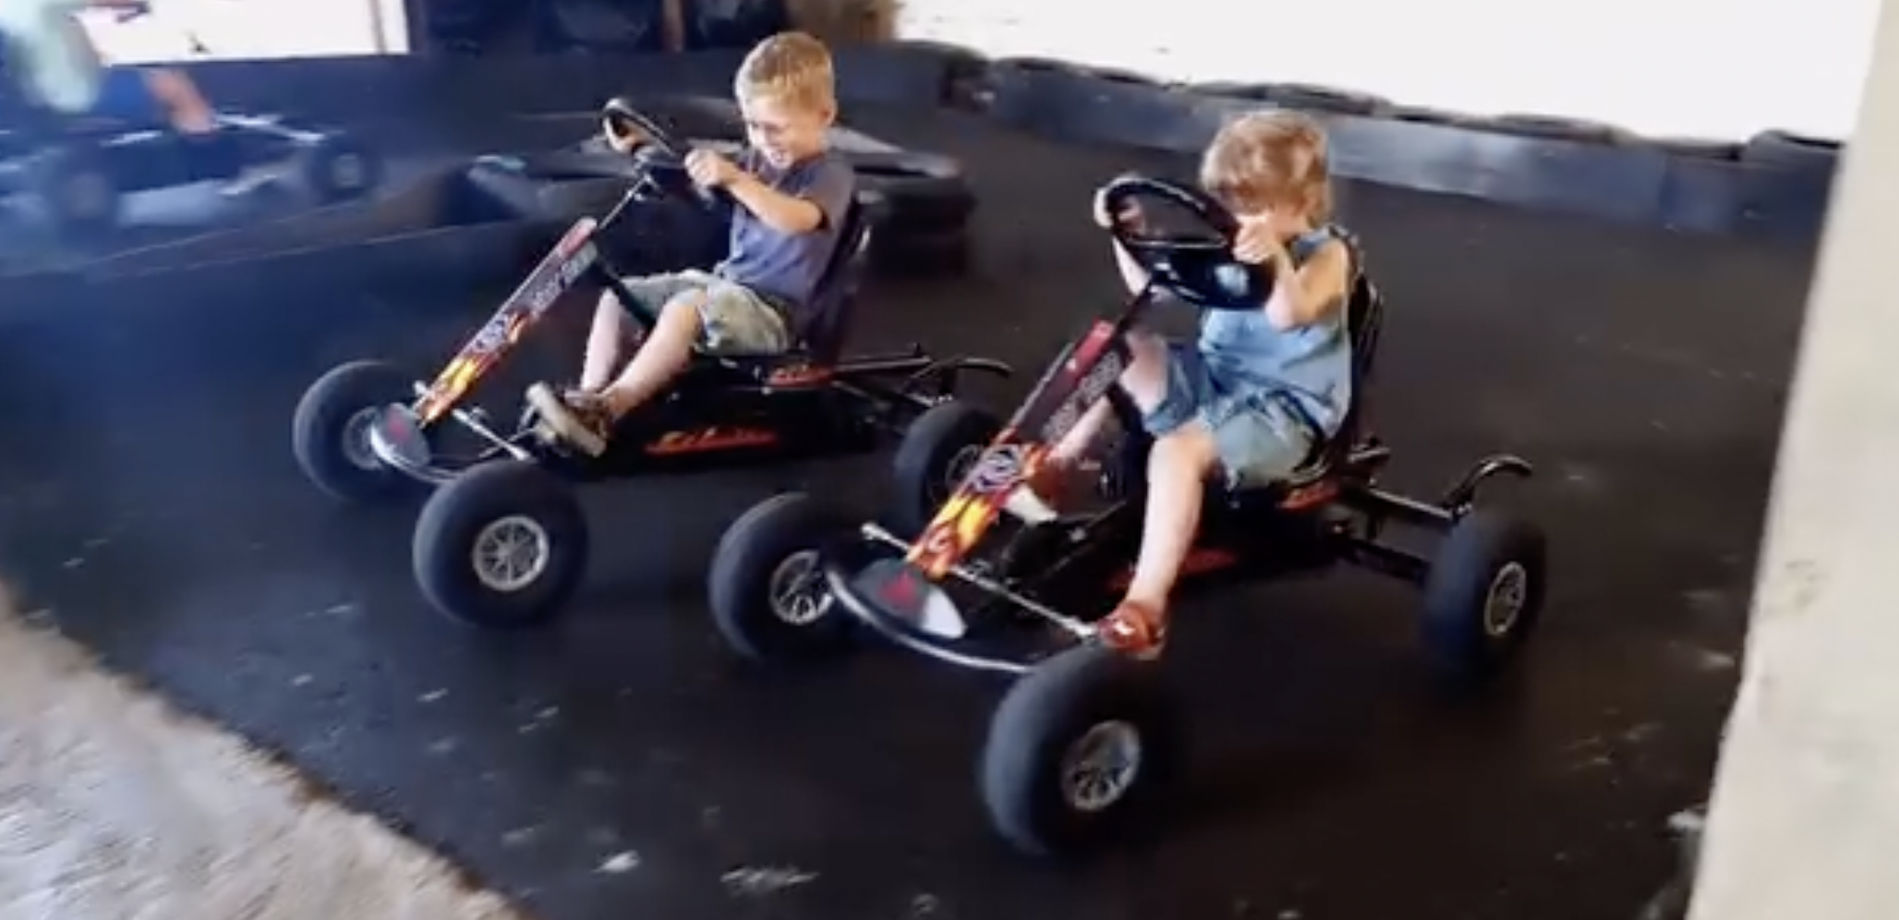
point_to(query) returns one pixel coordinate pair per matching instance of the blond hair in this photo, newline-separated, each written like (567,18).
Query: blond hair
(1270,159)
(793,68)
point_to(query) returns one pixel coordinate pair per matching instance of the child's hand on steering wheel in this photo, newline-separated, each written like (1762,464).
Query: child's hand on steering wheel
(710,170)
(1258,241)
(622,143)
(1130,213)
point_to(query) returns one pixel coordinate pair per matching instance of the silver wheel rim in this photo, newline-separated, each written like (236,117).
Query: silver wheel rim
(510,553)
(347,171)
(1503,603)
(356,446)
(960,463)
(796,595)
(1101,766)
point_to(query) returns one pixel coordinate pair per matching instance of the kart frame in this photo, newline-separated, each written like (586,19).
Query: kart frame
(1330,510)
(733,409)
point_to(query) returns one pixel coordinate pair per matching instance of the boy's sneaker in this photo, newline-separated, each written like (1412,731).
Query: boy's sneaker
(579,419)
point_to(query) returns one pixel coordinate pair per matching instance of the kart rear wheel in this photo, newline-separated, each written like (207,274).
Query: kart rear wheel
(337,168)
(1483,594)
(502,546)
(330,431)
(766,589)
(938,450)
(1078,752)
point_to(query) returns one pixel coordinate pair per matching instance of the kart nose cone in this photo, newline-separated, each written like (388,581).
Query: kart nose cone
(904,593)
(397,438)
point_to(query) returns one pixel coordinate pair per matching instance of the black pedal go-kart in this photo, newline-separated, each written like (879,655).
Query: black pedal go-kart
(501,541)
(79,169)
(1081,744)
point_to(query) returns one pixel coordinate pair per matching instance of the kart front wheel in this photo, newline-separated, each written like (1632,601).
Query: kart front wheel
(78,190)
(766,587)
(502,546)
(1483,594)
(938,450)
(330,431)
(1078,752)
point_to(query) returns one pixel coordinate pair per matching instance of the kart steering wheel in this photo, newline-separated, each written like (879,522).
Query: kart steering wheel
(658,150)
(1197,267)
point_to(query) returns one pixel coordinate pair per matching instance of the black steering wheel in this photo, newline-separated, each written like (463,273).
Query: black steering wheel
(660,153)
(1197,267)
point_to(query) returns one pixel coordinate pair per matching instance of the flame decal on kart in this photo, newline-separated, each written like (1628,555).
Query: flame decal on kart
(1051,411)
(564,264)
(960,524)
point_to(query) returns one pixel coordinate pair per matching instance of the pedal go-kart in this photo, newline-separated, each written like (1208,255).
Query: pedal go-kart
(501,541)
(79,169)
(1084,738)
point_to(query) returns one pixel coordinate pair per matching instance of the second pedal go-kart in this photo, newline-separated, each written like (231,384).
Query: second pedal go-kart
(1084,737)
(79,168)
(502,541)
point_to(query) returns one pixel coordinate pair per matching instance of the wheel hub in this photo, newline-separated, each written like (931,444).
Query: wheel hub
(1504,602)
(511,553)
(347,172)
(1101,766)
(356,446)
(796,592)
(954,472)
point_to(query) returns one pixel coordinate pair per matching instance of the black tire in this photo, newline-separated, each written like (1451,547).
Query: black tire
(77,190)
(1045,714)
(1070,68)
(338,168)
(1304,97)
(1420,115)
(751,558)
(1550,127)
(332,414)
(511,492)
(1791,150)
(1486,555)
(932,446)
(1695,148)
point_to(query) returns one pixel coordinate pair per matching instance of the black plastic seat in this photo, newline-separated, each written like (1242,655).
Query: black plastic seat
(821,340)
(1364,317)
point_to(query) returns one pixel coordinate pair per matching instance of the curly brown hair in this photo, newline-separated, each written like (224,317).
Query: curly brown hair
(1270,159)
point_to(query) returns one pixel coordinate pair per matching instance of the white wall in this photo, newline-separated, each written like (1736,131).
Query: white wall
(255,29)
(1713,68)
(1805,817)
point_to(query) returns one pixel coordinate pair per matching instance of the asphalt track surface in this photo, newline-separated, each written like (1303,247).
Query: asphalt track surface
(150,501)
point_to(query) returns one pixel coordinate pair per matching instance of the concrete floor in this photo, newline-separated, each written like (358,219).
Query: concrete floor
(621,764)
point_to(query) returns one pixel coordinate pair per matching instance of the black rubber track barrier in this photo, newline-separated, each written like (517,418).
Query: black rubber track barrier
(1629,180)
(1790,150)
(1775,185)
(1304,97)
(1550,127)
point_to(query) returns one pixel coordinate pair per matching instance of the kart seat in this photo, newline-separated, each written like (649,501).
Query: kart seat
(1364,318)
(822,339)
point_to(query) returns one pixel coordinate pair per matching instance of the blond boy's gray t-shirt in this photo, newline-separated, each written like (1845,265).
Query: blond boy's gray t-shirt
(786,267)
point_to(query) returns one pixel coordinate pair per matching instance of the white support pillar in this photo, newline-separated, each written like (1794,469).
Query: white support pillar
(1804,823)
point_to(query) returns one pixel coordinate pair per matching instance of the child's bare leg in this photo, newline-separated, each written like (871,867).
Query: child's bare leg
(190,113)
(1176,481)
(1145,379)
(666,351)
(604,343)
